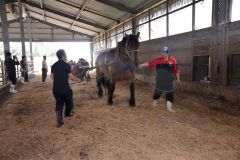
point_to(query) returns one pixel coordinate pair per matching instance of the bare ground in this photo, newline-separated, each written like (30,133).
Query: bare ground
(201,129)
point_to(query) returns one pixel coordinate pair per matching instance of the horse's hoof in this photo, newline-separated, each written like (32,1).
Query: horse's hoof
(132,104)
(100,95)
(110,102)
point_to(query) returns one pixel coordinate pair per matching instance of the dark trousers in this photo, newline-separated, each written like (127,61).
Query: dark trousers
(25,75)
(12,77)
(44,74)
(61,99)
(169,95)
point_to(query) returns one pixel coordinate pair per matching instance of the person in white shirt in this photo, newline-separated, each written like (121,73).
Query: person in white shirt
(44,69)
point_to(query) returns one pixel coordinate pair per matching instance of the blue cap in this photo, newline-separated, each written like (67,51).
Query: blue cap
(166,50)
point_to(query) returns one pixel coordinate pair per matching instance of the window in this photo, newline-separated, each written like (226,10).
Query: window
(235,16)
(108,40)
(119,32)
(97,47)
(1,51)
(102,42)
(235,70)
(128,27)
(113,42)
(158,26)
(144,32)
(180,21)
(201,68)
(128,31)
(109,43)
(176,4)
(119,37)
(143,28)
(203,14)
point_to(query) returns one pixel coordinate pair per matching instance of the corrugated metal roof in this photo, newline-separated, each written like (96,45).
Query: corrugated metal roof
(84,16)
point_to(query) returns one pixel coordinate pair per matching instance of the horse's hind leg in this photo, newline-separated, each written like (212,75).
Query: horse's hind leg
(132,92)
(99,85)
(111,89)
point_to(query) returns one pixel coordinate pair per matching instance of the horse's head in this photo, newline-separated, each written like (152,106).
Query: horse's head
(131,44)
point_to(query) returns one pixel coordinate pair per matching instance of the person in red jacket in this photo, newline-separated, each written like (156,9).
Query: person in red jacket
(166,67)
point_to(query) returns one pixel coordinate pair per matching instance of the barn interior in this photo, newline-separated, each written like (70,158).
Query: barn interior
(204,38)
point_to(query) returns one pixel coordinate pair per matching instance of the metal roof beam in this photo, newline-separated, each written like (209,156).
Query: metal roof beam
(87,10)
(64,15)
(60,27)
(64,22)
(41,4)
(10,21)
(118,6)
(79,13)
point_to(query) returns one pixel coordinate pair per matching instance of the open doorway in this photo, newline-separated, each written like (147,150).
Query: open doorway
(234,70)
(74,51)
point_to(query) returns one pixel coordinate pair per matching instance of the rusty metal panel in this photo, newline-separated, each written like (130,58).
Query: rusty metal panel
(234,41)
(202,46)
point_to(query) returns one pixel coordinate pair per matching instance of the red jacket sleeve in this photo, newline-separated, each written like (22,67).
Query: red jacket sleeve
(152,64)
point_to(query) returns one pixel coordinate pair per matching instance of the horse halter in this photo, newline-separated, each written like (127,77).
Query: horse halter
(134,50)
(126,46)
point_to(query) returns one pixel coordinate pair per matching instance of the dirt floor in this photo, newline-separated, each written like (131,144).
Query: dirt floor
(200,129)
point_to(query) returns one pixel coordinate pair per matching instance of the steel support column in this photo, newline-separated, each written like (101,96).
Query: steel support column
(91,53)
(21,28)
(30,37)
(4,26)
(134,26)
(220,27)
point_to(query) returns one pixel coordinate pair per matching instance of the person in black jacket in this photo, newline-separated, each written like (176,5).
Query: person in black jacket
(11,70)
(60,73)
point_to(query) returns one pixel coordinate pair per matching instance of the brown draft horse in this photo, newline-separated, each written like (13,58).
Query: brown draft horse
(118,64)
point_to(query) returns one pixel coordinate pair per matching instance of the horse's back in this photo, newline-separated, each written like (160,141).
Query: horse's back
(104,57)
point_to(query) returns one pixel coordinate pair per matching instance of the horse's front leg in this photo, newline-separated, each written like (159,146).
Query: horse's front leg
(111,89)
(132,92)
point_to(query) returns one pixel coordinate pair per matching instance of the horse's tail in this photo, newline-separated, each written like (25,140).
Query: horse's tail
(104,82)
(101,80)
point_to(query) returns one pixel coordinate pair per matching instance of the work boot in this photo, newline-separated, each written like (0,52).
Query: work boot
(12,89)
(22,80)
(69,115)
(59,119)
(72,110)
(154,104)
(169,106)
